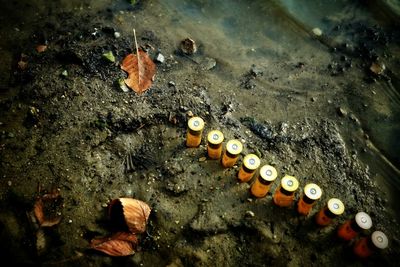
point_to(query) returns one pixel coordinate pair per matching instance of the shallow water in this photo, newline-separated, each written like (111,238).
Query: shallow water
(272,34)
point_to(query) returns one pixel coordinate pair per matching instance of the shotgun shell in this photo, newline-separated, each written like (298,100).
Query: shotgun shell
(284,195)
(231,154)
(334,208)
(312,193)
(250,164)
(366,246)
(351,228)
(262,184)
(214,144)
(195,129)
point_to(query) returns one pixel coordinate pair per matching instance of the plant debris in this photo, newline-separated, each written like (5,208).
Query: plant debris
(135,213)
(119,244)
(47,209)
(109,56)
(130,217)
(140,68)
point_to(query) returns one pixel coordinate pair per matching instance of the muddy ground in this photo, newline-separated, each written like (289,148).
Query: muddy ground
(82,134)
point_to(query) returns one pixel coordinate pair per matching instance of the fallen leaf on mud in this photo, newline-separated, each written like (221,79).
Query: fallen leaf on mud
(119,244)
(47,209)
(141,70)
(41,48)
(135,213)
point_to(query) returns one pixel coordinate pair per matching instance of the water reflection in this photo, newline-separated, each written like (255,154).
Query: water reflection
(274,33)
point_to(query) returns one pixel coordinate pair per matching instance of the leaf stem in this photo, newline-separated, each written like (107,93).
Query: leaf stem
(138,57)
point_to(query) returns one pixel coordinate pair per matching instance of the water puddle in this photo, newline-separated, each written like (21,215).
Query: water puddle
(277,35)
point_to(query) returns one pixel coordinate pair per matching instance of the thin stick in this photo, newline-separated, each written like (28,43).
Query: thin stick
(138,57)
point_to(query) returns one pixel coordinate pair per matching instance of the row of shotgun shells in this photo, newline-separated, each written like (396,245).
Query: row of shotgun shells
(284,195)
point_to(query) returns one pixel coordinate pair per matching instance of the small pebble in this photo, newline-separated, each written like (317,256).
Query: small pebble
(189,113)
(202,159)
(188,46)
(117,34)
(377,68)
(69,221)
(160,58)
(9,183)
(249,213)
(342,112)
(208,63)
(317,31)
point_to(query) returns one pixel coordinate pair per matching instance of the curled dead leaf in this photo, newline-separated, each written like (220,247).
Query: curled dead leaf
(119,244)
(141,70)
(134,213)
(47,209)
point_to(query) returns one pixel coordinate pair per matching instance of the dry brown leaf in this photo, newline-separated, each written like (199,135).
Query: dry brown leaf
(41,48)
(47,209)
(141,72)
(135,213)
(119,244)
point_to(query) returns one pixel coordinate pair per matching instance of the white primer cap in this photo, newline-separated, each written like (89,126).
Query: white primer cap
(363,220)
(379,239)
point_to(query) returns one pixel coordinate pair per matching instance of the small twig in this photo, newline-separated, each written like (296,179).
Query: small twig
(137,54)
(186,56)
